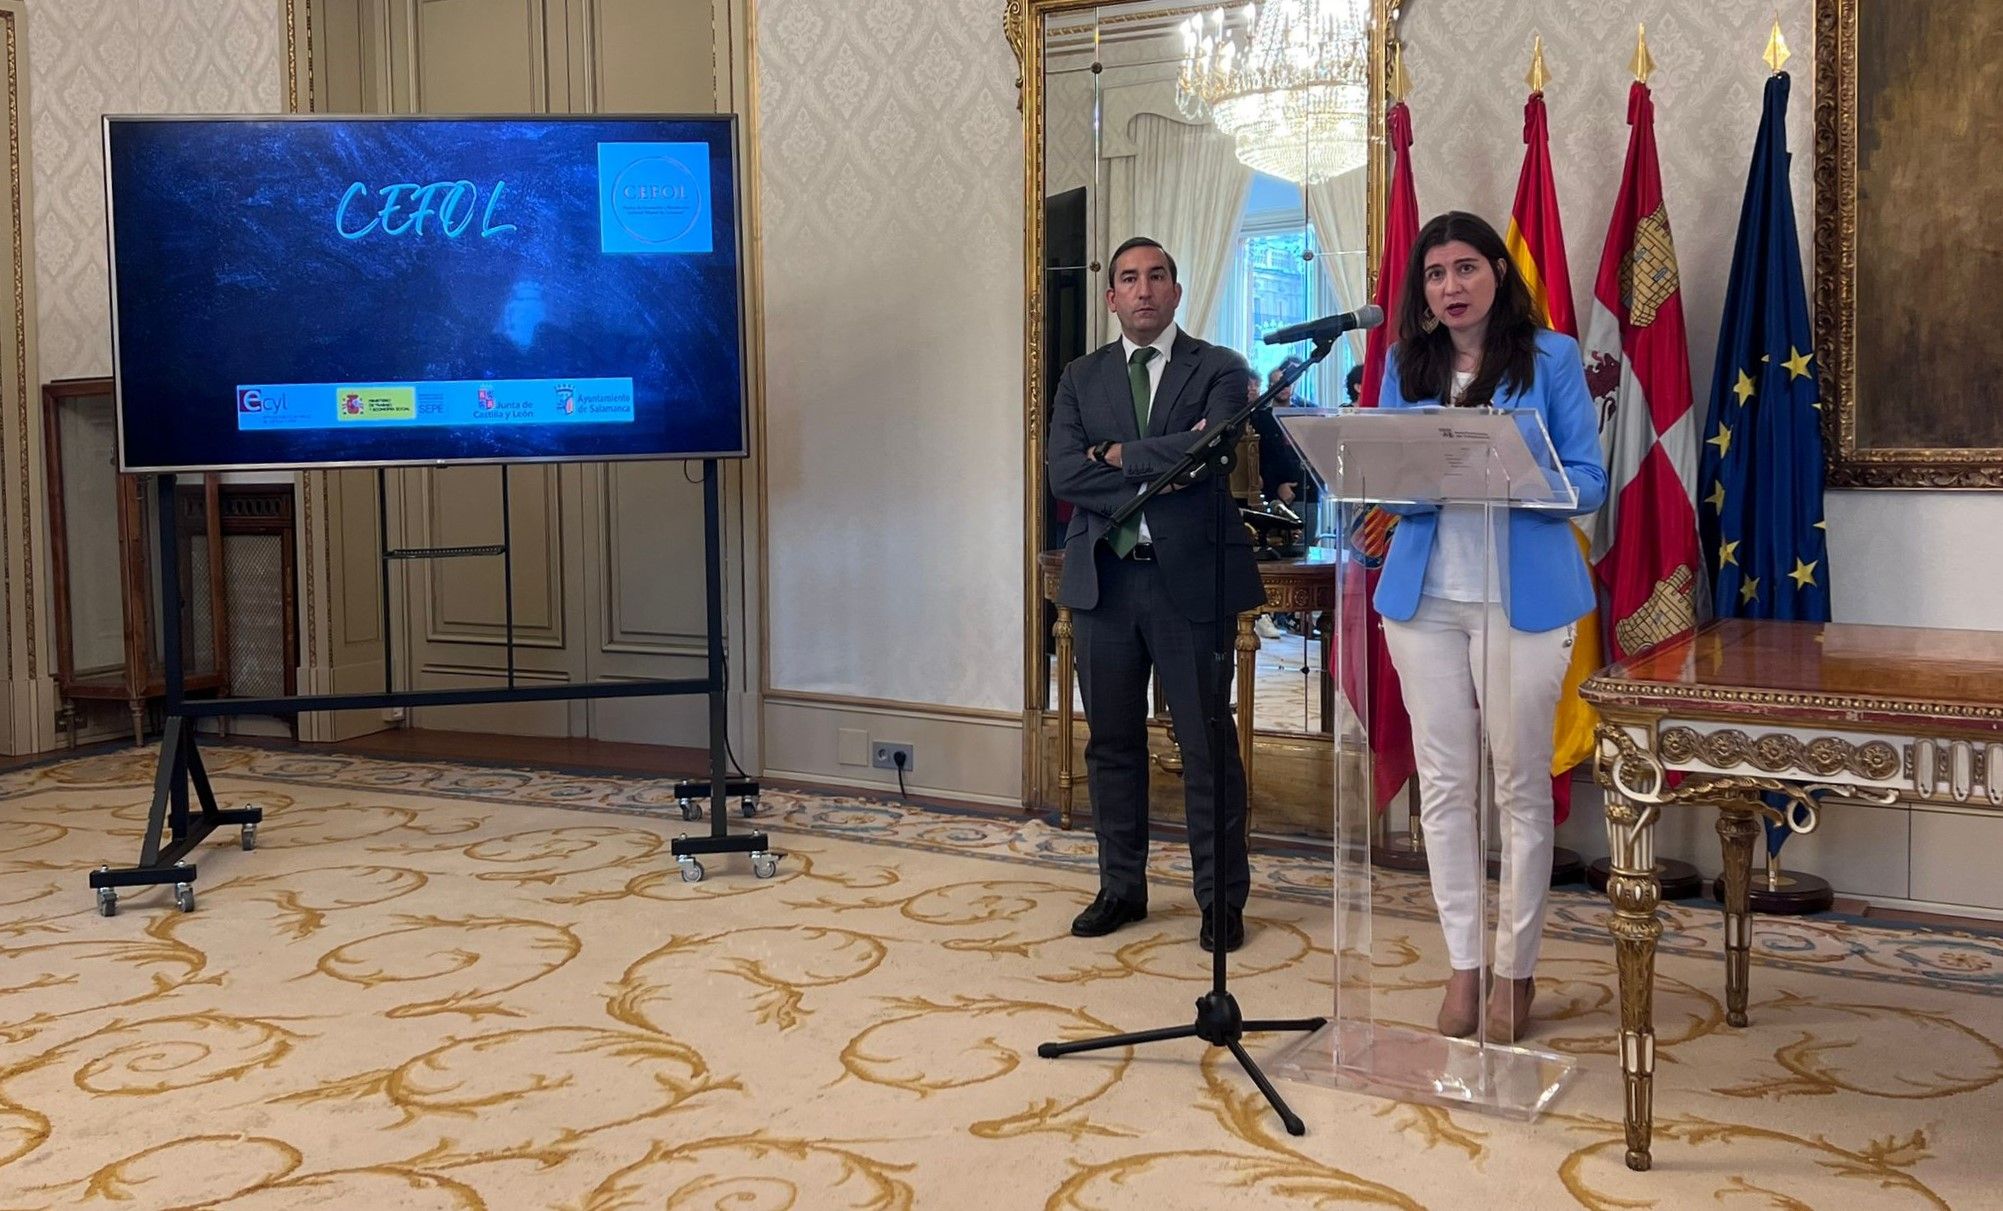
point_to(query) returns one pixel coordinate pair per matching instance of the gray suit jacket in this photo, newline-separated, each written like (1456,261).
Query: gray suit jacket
(1094,403)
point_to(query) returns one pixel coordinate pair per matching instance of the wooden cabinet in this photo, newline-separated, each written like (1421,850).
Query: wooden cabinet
(104,532)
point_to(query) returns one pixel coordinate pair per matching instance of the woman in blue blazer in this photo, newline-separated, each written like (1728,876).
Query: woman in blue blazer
(1471,339)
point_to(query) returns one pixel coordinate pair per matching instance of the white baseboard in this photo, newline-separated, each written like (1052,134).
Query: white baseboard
(958,754)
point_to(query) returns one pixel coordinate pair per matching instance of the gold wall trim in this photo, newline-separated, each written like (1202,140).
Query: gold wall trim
(1835,286)
(298,40)
(18,233)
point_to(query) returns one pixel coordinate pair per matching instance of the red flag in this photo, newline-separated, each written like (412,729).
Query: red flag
(1537,249)
(1536,236)
(1638,368)
(1388,727)
(1401,231)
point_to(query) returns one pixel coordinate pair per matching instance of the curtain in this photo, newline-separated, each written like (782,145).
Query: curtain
(1189,194)
(1339,210)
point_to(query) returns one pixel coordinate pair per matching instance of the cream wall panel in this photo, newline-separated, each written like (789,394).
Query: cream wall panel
(892,195)
(469,56)
(1954,859)
(649,56)
(959,755)
(461,507)
(512,719)
(346,76)
(340,639)
(653,569)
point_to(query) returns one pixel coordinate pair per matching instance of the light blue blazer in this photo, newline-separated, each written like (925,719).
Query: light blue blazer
(1545,584)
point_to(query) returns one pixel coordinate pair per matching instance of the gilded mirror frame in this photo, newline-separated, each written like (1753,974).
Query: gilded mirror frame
(1022,24)
(1837,249)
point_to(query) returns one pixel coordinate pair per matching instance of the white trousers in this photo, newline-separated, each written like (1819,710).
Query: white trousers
(1439,659)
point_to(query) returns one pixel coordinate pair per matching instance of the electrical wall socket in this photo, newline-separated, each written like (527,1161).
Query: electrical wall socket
(883,755)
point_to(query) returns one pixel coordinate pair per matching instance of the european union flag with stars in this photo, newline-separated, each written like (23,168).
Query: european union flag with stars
(1760,483)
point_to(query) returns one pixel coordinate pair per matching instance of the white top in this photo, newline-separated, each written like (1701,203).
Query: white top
(1455,570)
(1162,345)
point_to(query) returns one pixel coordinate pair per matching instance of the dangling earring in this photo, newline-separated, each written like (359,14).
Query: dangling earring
(1428,321)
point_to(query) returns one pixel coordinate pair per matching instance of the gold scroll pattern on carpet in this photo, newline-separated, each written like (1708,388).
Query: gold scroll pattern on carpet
(435,986)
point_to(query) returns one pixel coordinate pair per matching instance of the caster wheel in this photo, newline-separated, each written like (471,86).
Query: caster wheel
(249,839)
(748,807)
(764,865)
(184,896)
(692,871)
(691,810)
(107,902)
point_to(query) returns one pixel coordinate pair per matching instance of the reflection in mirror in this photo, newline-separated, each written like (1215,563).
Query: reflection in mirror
(89,442)
(1133,145)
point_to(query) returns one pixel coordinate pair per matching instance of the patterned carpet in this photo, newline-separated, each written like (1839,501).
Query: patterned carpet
(443,986)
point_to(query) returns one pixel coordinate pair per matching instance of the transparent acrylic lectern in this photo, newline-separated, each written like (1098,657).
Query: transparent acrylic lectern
(1472,465)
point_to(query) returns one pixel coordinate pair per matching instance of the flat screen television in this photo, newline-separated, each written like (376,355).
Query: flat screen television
(364,291)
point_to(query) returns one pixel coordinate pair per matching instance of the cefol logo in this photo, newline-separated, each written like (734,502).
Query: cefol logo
(656,200)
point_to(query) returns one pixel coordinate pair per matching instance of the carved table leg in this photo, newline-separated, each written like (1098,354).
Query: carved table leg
(1736,831)
(1065,674)
(1248,647)
(1635,890)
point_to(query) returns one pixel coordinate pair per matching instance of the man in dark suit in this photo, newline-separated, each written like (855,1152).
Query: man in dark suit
(1143,596)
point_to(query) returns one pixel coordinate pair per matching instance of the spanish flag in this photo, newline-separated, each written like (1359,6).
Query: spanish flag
(1381,703)
(1537,251)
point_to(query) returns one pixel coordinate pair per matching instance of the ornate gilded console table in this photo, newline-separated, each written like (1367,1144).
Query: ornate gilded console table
(1760,719)
(1295,586)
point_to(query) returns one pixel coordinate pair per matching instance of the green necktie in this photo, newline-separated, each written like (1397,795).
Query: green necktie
(1123,539)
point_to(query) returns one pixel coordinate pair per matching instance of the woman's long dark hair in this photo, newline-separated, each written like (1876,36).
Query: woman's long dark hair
(1509,349)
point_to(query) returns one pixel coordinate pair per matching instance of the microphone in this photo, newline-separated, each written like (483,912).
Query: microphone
(1327,327)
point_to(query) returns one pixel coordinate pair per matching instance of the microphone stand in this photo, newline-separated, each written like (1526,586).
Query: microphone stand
(1218,1019)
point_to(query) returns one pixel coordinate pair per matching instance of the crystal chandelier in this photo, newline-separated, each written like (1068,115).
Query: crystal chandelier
(1288,81)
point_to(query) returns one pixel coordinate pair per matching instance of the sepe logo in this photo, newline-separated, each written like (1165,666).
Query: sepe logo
(249,399)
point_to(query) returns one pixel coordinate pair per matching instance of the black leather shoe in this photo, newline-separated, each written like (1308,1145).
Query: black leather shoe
(1107,913)
(1234,930)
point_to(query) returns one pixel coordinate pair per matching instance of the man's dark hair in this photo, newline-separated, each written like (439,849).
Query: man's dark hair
(1140,241)
(1353,382)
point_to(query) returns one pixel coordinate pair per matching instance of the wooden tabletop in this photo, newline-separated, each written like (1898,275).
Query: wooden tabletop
(1815,670)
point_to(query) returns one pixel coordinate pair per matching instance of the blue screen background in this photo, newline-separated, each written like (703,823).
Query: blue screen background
(229,270)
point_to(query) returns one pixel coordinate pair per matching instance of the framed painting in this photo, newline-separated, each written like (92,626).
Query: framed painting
(1909,241)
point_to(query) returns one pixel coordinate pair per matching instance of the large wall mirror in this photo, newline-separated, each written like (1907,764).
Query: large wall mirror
(1141,119)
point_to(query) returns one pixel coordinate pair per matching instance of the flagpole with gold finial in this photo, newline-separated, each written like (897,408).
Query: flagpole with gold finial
(1777,52)
(1539,75)
(1644,64)
(1401,80)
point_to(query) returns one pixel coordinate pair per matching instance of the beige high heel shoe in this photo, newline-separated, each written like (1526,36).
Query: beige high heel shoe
(1460,1009)
(1509,1009)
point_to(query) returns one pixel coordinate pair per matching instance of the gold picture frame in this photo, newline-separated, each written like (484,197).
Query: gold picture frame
(1901,336)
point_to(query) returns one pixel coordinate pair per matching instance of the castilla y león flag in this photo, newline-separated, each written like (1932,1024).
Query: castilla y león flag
(1638,369)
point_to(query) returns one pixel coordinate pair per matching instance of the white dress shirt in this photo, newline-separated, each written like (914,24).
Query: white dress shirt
(1460,549)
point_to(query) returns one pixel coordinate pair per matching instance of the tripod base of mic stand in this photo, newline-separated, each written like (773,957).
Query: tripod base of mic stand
(1220,1024)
